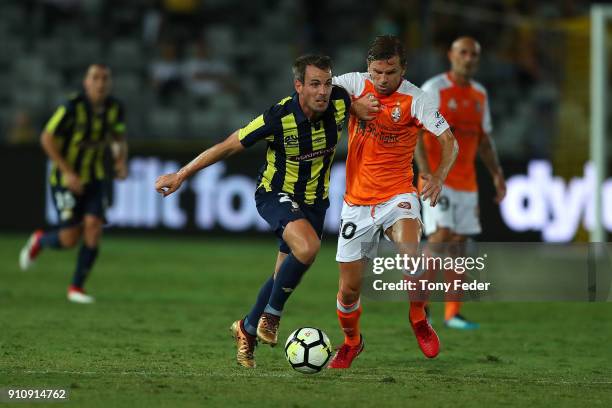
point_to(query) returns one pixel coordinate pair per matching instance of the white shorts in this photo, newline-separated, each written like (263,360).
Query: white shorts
(365,224)
(456,210)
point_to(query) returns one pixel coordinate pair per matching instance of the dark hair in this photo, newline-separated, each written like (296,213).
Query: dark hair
(299,66)
(98,64)
(385,47)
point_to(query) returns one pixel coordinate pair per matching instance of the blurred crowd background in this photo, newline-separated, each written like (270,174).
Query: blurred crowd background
(198,69)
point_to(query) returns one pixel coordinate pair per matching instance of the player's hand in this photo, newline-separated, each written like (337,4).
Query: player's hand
(121,170)
(73,182)
(168,184)
(366,108)
(432,186)
(500,187)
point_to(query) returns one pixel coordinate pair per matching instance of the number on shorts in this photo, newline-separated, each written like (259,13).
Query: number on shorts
(284,198)
(64,200)
(443,202)
(347,230)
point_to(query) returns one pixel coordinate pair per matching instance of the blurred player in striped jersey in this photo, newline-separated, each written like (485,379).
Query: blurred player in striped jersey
(77,140)
(465,105)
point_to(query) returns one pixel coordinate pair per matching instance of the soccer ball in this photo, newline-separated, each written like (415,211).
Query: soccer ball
(308,350)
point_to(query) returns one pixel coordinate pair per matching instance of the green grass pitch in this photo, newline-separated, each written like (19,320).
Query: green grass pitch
(158,336)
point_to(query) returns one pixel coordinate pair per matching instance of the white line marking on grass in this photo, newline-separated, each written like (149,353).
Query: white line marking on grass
(249,374)
(338,377)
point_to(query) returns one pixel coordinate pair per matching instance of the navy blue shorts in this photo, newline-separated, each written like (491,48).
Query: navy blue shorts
(279,209)
(71,208)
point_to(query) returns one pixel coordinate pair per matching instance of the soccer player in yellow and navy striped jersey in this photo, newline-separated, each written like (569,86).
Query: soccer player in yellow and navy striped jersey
(300,152)
(301,132)
(78,140)
(81,136)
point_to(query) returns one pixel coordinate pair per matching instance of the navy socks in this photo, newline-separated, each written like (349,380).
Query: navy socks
(287,279)
(85,261)
(251,320)
(50,240)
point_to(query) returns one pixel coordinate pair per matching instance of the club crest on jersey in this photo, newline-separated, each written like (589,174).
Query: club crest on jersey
(452,104)
(396,113)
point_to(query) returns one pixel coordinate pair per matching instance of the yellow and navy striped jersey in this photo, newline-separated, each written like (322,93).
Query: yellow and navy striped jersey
(300,152)
(83,137)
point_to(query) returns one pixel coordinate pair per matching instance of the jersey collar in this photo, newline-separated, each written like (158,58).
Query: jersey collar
(452,81)
(105,106)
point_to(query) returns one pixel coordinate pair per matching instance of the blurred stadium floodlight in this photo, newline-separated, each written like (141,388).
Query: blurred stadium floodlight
(600,13)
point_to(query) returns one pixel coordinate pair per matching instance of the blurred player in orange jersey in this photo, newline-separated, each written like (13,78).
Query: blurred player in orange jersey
(380,196)
(464,104)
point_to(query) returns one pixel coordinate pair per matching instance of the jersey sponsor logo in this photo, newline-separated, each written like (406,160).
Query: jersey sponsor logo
(387,138)
(292,140)
(440,119)
(381,133)
(396,113)
(405,205)
(439,123)
(313,155)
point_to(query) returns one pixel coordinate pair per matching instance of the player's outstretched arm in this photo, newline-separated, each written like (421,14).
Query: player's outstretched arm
(488,154)
(73,181)
(169,183)
(119,148)
(420,155)
(433,182)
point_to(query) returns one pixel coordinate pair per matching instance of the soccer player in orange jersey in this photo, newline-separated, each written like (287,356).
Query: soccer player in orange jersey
(380,195)
(464,104)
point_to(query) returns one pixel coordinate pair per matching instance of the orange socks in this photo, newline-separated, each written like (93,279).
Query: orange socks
(417,311)
(453,302)
(451,309)
(348,317)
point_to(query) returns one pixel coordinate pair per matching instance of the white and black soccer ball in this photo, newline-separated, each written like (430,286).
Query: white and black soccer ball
(308,350)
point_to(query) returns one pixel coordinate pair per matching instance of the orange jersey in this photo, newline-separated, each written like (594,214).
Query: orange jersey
(466,108)
(379,161)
